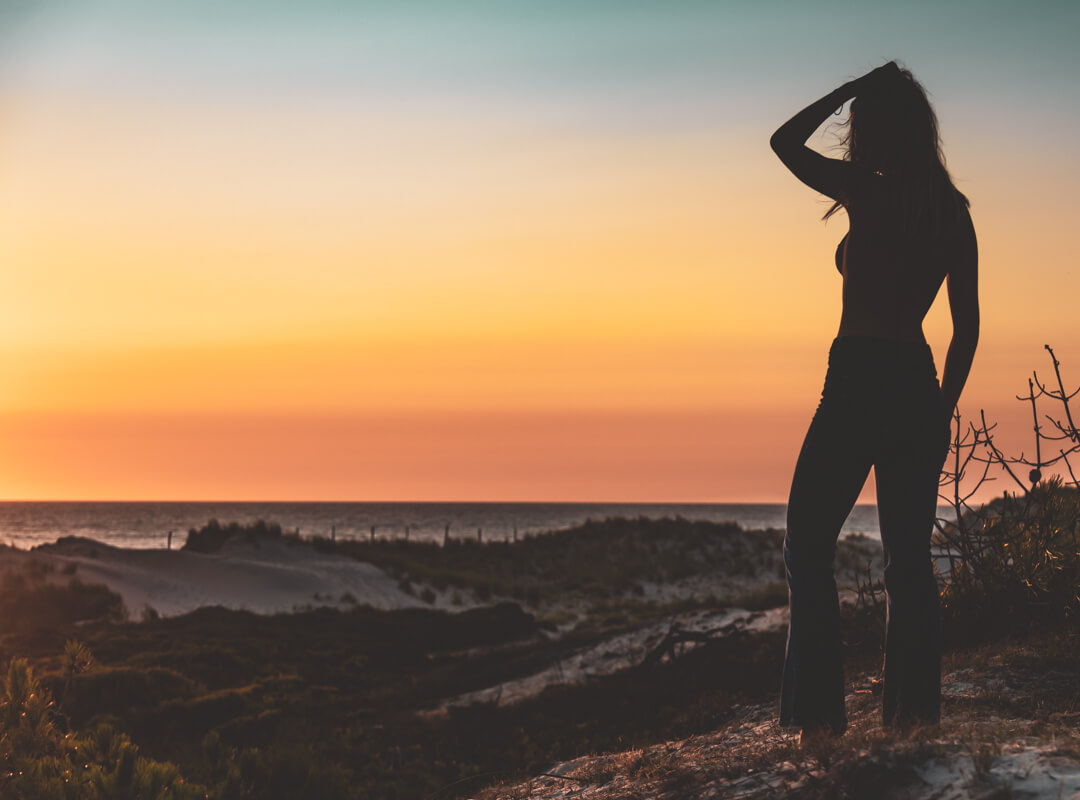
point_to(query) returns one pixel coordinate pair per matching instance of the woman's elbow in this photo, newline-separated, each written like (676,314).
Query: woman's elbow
(778,143)
(783,148)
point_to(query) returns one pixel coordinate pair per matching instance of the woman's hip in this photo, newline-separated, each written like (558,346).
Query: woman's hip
(881,370)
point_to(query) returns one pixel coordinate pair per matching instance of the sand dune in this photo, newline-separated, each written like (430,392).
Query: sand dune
(267,577)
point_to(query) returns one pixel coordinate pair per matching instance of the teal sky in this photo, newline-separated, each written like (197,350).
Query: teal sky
(599,63)
(1003,75)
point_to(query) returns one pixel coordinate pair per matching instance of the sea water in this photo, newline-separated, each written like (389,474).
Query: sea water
(148,524)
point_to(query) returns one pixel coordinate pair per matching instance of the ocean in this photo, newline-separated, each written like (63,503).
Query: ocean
(148,524)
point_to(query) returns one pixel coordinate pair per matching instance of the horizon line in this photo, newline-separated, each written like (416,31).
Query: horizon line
(423,502)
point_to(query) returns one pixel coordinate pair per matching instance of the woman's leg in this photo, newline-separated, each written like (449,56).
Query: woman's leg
(830,472)
(907,472)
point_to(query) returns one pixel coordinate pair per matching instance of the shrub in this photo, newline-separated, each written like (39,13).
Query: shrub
(37,761)
(1026,567)
(1013,562)
(28,605)
(211,537)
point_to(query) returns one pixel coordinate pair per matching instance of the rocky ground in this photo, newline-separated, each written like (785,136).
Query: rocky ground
(1010,730)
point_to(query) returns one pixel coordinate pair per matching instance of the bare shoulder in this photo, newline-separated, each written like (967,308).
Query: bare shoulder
(965,223)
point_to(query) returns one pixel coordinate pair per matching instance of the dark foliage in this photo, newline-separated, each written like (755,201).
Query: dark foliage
(336,703)
(598,559)
(1013,563)
(29,602)
(1028,568)
(211,537)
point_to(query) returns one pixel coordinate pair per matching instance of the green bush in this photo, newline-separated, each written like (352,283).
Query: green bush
(37,761)
(1016,563)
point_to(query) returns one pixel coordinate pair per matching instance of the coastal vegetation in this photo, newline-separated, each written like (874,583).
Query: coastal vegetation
(349,703)
(335,703)
(598,558)
(616,570)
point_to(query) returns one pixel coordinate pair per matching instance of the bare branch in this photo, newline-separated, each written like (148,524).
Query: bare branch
(999,457)
(1064,399)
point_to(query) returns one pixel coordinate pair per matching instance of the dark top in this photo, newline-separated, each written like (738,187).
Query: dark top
(840,255)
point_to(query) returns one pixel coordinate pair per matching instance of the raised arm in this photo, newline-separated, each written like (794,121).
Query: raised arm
(829,176)
(963,288)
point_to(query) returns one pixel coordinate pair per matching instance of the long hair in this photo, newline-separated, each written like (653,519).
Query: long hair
(892,130)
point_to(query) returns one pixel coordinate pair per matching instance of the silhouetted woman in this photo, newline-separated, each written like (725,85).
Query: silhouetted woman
(881,405)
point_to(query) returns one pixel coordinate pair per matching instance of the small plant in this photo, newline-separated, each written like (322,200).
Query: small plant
(77,660)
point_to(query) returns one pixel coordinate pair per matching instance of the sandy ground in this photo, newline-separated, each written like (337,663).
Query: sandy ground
(621,651)
(700,767)
(266,578)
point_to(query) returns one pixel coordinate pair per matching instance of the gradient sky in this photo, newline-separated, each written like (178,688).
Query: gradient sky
(488,251)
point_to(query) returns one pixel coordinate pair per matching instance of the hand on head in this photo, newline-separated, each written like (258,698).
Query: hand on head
(884,74)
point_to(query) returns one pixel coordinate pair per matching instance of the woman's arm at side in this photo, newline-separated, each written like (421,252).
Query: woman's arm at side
(963,288)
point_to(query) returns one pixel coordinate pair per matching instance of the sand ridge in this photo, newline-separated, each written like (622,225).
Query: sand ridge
(267,577)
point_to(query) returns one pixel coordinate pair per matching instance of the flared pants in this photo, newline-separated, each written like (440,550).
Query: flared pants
(881,406)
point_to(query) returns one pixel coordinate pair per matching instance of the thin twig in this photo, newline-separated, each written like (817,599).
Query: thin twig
(1064,398)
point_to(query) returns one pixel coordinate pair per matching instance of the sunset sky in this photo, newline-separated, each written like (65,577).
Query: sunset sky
(480,251)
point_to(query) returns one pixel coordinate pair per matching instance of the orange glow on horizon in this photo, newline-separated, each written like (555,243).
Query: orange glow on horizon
(737,456)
